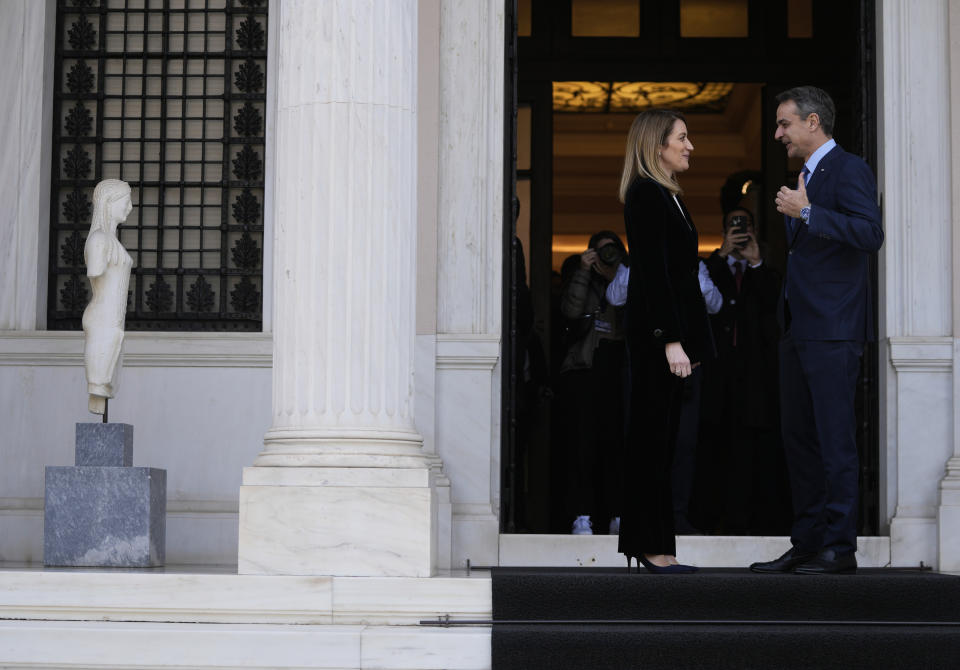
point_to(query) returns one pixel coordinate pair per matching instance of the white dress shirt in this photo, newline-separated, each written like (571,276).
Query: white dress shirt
(617,289)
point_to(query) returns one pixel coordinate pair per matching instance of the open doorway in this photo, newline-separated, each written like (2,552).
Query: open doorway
(583,70)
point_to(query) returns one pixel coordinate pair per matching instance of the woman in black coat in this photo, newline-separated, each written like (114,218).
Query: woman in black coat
(667,330)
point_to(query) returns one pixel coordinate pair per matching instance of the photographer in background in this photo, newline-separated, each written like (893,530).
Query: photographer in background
(740,413)
(591,385)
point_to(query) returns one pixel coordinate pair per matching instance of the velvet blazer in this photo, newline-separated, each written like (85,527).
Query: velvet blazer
(664,303)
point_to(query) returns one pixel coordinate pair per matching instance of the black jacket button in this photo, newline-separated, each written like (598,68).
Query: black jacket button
(657,332)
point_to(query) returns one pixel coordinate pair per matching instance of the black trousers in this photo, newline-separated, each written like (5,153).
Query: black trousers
(592,402)
(817,393)
(685,454)
(647,525)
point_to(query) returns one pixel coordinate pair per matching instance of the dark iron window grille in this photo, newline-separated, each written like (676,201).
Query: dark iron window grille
(168,95)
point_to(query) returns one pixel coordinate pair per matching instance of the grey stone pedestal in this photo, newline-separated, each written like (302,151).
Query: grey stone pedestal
(103,512)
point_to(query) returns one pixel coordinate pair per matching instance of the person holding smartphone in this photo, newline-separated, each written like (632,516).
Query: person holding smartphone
(740,239)
(739,413)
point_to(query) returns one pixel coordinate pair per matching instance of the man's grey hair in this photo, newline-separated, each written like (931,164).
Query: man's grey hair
(812,100)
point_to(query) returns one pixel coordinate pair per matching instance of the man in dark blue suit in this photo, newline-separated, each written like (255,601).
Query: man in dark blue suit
(833,227)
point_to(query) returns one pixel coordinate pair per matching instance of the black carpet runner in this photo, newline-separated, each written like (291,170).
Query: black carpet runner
(724,618)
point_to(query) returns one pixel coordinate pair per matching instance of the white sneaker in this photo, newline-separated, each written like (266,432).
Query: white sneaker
(614,525)
(582,526)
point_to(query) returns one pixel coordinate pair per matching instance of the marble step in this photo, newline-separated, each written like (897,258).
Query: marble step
(178,595)
(135,646)
(702,550)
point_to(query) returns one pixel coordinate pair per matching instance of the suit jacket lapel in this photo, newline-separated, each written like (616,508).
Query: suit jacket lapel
(683,220)
(822,173)
(686,216)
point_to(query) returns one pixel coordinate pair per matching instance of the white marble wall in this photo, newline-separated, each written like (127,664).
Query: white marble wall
(924,440)
(26,74)
(916,269)
(471,166)
(470,269)
(198,403)
(948,514)
(425,358)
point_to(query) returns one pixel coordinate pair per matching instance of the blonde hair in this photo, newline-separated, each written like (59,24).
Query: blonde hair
(648,134)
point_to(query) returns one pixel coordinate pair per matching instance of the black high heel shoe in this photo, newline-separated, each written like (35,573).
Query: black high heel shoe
(629,559)
(675,569)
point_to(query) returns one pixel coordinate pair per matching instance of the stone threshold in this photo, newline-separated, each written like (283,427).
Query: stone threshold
(713,551)
(82,645)
(203,594)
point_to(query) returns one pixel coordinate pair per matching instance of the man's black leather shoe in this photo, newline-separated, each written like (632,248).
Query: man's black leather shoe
(785,563)
(828,562)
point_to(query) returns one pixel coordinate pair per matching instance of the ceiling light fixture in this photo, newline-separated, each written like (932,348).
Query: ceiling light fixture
(636,96)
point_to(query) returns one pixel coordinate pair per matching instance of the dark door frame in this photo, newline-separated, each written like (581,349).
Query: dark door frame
(552,54)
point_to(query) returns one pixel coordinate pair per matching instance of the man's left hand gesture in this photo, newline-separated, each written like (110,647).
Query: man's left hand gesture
(790,202)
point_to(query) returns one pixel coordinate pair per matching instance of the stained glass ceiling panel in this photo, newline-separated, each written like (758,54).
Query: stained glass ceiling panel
(635,96)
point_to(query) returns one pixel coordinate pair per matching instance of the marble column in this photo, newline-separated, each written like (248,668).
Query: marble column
(26,115)
(916,301)
(948,513)
(470,271)
(342,486)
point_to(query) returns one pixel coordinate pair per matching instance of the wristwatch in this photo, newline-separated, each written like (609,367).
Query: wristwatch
(805,213)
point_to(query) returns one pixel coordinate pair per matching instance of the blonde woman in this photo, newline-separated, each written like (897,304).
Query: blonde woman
(108,268)
(667,330)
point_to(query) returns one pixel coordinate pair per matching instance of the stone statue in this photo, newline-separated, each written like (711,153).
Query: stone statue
(108,268)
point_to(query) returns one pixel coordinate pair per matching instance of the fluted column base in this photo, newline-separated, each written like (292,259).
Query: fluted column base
(948,519)
(340,521)
(342,447)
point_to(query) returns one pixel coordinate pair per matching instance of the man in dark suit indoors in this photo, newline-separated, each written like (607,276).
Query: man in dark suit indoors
(740,427)
(832,228)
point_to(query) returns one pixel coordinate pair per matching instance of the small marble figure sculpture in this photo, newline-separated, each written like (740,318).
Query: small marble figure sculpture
(108,268)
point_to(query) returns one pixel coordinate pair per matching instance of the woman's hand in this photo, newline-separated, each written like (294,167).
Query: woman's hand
(677,360)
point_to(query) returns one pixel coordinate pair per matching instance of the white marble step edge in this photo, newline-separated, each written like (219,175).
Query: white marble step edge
(77,595)
(151,646)
(702,550)
(229,598)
